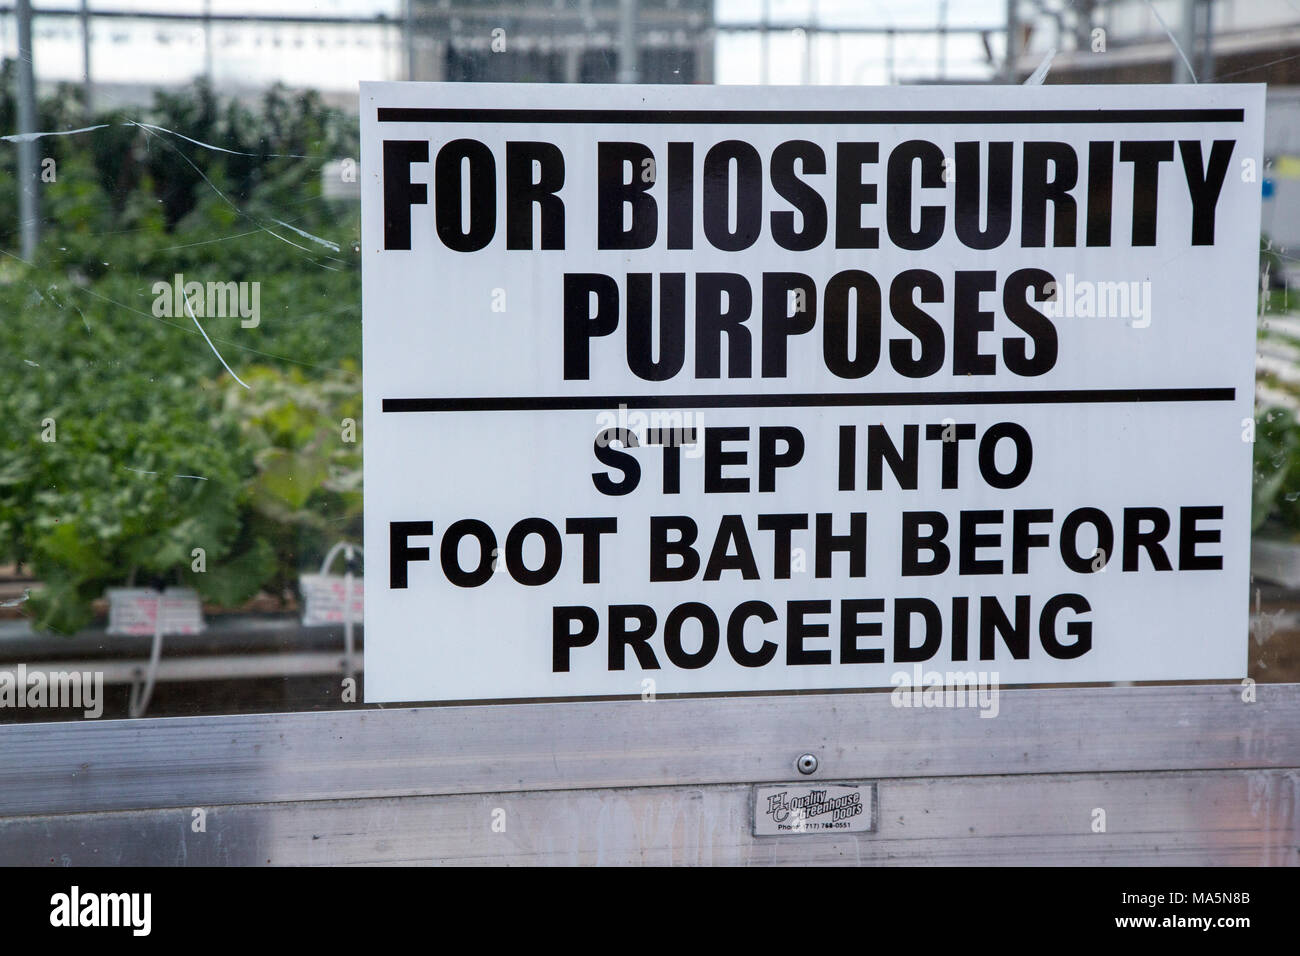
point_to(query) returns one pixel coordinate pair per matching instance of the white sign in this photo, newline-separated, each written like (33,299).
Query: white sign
(331,599)
(146,611)
(682,390)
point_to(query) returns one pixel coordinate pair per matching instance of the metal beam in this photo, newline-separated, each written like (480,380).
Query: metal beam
(29,210)
(88,765)
(629,70)
(87,84)
(604,17)
(1201,818)
(1013,42)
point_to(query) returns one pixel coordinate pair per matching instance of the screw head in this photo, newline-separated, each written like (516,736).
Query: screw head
(807,763)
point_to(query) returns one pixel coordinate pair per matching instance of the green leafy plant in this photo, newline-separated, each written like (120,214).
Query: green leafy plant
(125,444)
(305,493)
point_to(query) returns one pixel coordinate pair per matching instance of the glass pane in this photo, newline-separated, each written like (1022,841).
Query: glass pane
(180,286)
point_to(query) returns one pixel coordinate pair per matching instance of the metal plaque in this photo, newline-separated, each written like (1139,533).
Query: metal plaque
(785,808)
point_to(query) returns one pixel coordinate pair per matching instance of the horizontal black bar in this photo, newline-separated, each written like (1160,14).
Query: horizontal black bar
(1067,396)
(416,114)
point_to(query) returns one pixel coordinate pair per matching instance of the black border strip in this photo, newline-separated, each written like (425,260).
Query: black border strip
(419,114)
(1071,396)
